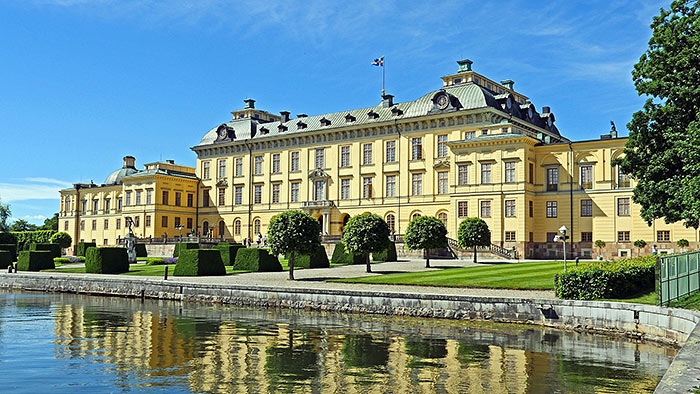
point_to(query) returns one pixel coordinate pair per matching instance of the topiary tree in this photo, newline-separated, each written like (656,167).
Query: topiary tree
(364,234)
(600,244)
(472,233)
(425,232)
(682,243)
(640,244)
(63,239)
(291,233)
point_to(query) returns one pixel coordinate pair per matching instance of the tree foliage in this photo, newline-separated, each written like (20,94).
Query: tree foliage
(640,243)
(425,232)
(23,225)
(63,239)
(50,223)
(5,214)
(682,243)
(364,234)
(472,233)
(292,233)
(663,151)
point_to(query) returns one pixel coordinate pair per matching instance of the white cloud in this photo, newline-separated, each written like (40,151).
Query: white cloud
(34,217)
(32,189)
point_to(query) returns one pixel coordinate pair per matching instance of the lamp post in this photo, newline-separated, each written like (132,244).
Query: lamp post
(179,227)
(563,230)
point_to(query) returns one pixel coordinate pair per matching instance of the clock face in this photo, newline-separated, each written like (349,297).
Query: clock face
(442,101)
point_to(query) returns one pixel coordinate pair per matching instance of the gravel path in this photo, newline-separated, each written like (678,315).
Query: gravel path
(317,279)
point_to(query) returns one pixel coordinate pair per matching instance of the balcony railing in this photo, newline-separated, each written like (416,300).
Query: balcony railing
(318,204)
(552,187)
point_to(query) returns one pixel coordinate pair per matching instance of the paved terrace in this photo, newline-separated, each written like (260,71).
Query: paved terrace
(317,279)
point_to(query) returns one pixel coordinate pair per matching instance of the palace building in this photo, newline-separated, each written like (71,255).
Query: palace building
(473,147)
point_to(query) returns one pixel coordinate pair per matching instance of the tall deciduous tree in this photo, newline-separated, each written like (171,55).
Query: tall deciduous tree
(364,234)
(292,233)
(50,223)
(663,151)
(472,233)
(23,225)
(425,232)
(5,214)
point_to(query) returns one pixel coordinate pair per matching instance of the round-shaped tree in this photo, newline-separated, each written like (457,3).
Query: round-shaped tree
(682,243)
(364,234)
(425,232)
(291,233)
(63,239)
(600,244)
(472,233)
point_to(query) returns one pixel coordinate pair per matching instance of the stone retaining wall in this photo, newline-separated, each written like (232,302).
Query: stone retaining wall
(668,325)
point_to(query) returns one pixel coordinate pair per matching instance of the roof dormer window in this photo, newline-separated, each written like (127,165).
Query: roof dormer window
(349,118)
(396,112)
(281,128)
(372,115)
(301,125)
(264,130)
(325,122)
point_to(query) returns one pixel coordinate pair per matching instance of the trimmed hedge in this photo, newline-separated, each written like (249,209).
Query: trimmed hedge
(319,259)
(388,254)
(607,279)
(82,248)
(12,248)
(35,260)
(180,246)
(341,256)
(26,238)
(255,259)
(8,238)
(228,252)
(199,262)
(141,250)
(55,249)
(6,258)
(106,260)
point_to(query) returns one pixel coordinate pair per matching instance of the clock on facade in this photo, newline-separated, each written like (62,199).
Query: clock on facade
(442,101)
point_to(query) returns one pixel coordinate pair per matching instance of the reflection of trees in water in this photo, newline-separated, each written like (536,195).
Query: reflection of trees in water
(472,353)
(575,374)
(425,349)
(288,365)
(362,351)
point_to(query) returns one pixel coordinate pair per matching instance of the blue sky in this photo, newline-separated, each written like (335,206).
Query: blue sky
(85,82)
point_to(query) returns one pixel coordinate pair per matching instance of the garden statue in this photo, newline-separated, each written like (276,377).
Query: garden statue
(130,241)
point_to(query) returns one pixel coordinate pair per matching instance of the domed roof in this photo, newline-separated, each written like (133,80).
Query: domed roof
(115,178)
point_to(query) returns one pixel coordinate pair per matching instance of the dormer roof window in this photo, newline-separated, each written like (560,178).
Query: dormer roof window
(325,122)
(349,118)
(372,115)
(301,125)
(396,112)
(264,130)
(281,128)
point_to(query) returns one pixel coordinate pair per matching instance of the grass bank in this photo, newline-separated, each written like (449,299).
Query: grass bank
(138,270)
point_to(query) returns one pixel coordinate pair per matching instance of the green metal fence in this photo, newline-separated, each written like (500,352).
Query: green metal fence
(677,275)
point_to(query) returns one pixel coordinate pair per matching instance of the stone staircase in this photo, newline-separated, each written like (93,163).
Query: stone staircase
(497,250)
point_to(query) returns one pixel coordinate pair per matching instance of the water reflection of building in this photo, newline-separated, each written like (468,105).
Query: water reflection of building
(223,357)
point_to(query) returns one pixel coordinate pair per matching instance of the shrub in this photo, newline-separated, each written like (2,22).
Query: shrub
(55,249)
(61,260)
(81,249)
(318,259)
(254,259)
(7,238)
(35,260)
(6,258)
(682,243)
(228,252)
(12,248)
(180,246)
(63,239)
(388,254)
(76,259)
(141,250)
(342,256)
(607,279)
(161,260)
(199,262)
(106,260)
(26,238)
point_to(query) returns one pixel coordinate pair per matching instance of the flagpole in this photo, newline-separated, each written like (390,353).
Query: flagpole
(383,78)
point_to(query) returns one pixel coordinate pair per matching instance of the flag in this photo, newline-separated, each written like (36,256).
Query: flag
(378,62)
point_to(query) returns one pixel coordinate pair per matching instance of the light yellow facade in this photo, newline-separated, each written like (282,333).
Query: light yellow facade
(483,148)
(158,199)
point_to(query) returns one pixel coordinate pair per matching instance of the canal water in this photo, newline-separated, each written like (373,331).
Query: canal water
(64,343)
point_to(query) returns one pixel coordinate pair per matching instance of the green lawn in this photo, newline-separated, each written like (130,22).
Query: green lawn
(649,298)
(139,270)
(537,275)
(690,302)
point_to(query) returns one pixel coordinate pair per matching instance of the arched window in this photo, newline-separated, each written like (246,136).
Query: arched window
(237,227)
(391,222)
(205,228)
(415,215)
(443,217)
(256,227)
(222,229)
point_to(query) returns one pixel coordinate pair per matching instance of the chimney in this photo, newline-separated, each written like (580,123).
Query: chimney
(464,65)
(285,116)
(170,161)
(387,100)
(508,83)
(249,103)
(545,110)
(302,115)
(129,162)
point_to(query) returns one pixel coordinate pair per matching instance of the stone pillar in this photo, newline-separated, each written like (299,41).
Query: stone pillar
(325,223)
